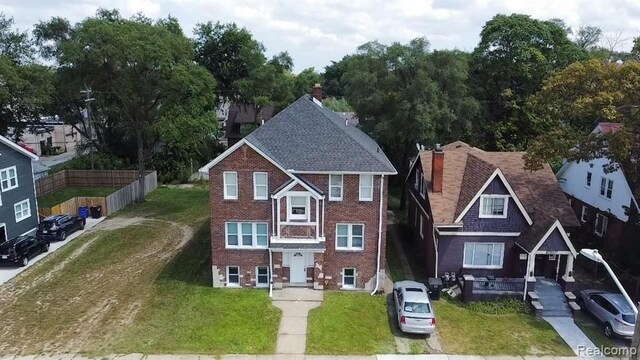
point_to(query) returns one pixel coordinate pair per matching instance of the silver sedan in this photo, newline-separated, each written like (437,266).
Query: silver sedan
(612,309)
(413,308)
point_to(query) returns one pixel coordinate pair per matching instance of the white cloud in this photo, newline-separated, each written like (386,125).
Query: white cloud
(316,32)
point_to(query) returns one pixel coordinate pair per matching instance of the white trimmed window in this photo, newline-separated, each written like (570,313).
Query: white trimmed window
(230,185)
(588,183)
(606,187)
(22,210)
(260,186)
(233,276)
(366,187)
(483,255)
(262,276)
(298,207)
(247,235)
(601,225)
(335,187)
(585,214)
(423,187)
(349,278)
(417,183)
(9,178)
(349,236)
(494,206)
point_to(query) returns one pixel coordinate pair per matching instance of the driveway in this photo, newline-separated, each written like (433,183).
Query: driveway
(8,272)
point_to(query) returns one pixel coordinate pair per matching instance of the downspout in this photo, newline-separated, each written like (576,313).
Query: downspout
(270,274)
(375,289)
(435,243)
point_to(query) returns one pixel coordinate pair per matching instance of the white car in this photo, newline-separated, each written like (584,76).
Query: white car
(413,308)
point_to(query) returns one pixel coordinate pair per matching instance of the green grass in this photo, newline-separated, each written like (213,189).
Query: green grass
(394,266)
(350,323)
(130,290)
(593,330)
(466,331)
(65,194)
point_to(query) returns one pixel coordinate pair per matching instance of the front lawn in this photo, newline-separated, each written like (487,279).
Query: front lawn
(495,329)
(136,286)
(65,194)
(350,323)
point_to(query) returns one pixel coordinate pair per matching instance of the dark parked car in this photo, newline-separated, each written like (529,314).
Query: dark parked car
(58,227)
(19,250)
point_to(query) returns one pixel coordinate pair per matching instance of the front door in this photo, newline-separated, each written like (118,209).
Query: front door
(298,272)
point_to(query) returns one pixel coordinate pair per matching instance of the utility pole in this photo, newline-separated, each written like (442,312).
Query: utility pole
(88,99)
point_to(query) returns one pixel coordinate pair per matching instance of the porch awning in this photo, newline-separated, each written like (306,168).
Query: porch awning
(546,236)
(289,246)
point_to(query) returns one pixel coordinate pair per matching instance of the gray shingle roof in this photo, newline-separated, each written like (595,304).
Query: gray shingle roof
(309,137)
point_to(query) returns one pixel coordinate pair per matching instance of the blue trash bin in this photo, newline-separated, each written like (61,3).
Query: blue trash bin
(83,211)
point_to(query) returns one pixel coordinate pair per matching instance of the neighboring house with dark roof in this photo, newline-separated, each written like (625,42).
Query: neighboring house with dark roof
(242,119)
(480,213)
(301,201)
(599,198)
(18,203)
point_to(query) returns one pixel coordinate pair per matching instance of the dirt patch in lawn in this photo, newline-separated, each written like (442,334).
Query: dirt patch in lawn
(72,303)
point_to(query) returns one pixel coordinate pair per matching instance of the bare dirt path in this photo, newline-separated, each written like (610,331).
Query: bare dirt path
(76,300)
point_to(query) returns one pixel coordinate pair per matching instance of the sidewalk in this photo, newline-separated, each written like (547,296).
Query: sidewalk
(295,304)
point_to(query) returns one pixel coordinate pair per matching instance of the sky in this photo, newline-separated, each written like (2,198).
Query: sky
(315,32)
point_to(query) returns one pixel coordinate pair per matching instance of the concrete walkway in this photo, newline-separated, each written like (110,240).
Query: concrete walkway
(571,334)
(295,304)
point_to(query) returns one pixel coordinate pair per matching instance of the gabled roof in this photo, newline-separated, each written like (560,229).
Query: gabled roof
(306,137)
(18,148)
(607,128)
(467,169)
(532,239)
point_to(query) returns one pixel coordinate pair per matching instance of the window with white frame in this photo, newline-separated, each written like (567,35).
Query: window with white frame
(260,186)
(601,225)
(423,187)
(230,185)
(417,183)
(247,235)
(588,183)
(483,255)
(585,214)
(335,187)
(22,210)
(298,207)
(421,226)
(606,187)
(349,236)
(262,276)
(494,206)
(366,187)
(349,278)
(9,178)
(233,276)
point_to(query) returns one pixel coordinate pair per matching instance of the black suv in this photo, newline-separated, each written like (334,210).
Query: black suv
(19,250)
(57,227)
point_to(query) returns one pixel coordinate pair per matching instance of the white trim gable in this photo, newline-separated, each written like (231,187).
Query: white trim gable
(18,148)
(205,169)
(558,226)
(282,192)
(499,174)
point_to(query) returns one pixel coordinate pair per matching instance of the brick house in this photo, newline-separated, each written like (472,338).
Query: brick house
(481,213)
(301,201)
(599,197)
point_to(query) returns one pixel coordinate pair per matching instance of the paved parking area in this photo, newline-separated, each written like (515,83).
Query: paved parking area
(8,272)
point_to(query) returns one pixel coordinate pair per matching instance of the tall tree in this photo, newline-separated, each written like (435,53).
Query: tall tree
(332,81)
(143,75)
(401,97)
(304,82)
(230,53)
(515,54)
(588,37)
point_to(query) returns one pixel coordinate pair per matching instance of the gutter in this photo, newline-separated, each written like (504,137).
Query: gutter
(270,273)
(375,289)
(435,246)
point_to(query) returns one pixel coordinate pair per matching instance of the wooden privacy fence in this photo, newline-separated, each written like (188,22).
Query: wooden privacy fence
(85,178)
(126,195)
(110,204)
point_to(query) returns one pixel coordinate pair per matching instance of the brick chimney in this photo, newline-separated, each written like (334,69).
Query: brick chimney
(437,169)
(317,92)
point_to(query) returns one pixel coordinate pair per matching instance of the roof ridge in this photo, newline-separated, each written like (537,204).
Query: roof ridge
(320,109)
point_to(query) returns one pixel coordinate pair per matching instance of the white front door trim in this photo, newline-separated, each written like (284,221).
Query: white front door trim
(297,268)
